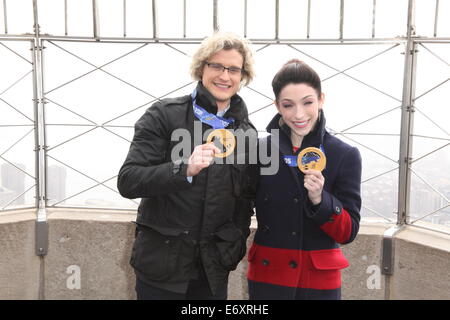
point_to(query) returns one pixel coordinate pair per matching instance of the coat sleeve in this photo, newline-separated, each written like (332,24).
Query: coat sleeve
(146,172)
(338,213)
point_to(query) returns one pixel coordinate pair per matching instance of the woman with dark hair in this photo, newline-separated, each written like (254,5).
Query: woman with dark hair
(311,205)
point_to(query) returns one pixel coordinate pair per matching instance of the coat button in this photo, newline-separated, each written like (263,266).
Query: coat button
(294,233)
(338,210)
(295,200)
(266,228)
(293,264)
(265,262)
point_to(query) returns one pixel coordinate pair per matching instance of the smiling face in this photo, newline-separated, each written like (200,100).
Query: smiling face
(299,106)
(221,84)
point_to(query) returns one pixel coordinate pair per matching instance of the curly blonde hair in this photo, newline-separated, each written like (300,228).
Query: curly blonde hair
(223,41)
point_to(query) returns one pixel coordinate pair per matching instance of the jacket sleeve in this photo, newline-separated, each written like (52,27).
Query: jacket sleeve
(146,172)
(338,213)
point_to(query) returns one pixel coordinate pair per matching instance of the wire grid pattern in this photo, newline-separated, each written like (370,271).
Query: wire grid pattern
(258,96)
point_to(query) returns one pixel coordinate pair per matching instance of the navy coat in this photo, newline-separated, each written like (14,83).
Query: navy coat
(296,254)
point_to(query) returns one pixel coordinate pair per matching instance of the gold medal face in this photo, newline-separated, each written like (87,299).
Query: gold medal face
(311,158)
(224,140)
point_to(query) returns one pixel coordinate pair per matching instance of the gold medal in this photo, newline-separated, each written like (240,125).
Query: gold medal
(311,158)
(224,140)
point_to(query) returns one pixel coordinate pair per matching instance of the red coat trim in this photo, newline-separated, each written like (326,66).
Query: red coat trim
(317,269)
(339,228)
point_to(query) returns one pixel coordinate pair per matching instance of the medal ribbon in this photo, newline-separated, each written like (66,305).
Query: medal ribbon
(291,161)
(204,116)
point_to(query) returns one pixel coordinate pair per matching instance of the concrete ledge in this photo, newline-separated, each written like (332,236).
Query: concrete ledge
(19,265)
(89,251)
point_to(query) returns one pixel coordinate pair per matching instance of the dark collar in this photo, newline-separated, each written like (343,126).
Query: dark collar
(237,110)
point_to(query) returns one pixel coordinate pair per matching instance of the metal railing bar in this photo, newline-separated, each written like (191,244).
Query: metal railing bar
(435,87)
(363,145)
(13,210)
(245,17)
(17,197)
(16,82)
(308,21)
(15,143)
(253,112)
(434,54)
(430,229)
(1,157)
(430,137)
(184,18)
(377,213)
(5,17)
(427,154)
(430,214)
(85,175)
(351,77)
(374,12)
(431,120)
(83,191)
(71,111)
(95,125)
(116,134)
(436,15)
(176,49)
(71,207)
(154,19)
(215,16)
(372,118)
(124,10)
(363,61)
(17,54)
(23,114)
(17,125)
(277,18)
(100,68)
(73,138)
(429,185)
(263,47)
(379,175)
(293,41)
(95,20)
(143,105)
(66,30)
(341,20)
(262,94)
(369,134)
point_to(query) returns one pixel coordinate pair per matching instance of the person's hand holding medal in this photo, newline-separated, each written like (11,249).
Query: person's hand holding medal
(220,143)
(311,161)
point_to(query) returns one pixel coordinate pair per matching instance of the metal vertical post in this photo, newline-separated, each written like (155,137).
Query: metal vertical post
(407,119)
(155,19)
(39,109)
(341,21)
(5,17)
(215,20)
(406,130)
(277,19)
(245,17)
(95,23)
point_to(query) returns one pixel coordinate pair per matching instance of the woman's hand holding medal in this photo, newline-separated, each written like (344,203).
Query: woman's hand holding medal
(314,182)
(311,161)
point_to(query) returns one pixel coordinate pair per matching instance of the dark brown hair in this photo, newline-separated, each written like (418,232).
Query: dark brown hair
(296,71)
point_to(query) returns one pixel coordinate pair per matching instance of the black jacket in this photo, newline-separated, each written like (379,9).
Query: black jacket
(181,222)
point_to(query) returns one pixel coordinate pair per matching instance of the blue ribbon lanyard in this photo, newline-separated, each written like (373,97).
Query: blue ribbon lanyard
(291,160)
(204,116)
